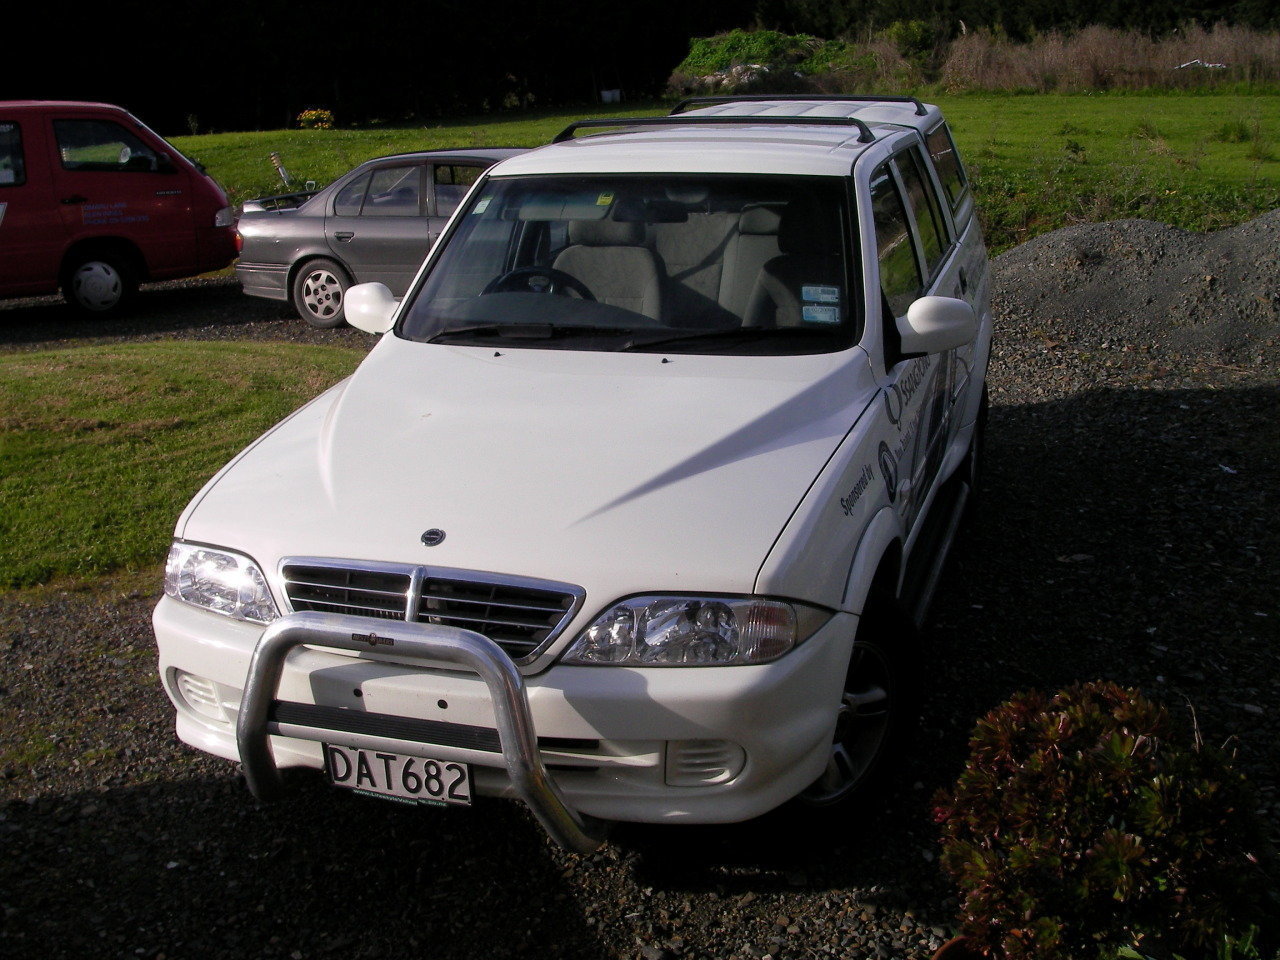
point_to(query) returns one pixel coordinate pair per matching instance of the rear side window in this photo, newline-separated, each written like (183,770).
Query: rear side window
(947,162)
(899,270)
(924,205)
(452,183)
(13,168)
(102,146)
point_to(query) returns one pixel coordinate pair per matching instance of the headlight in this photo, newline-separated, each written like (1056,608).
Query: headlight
(225,217)
(219,580)
(694,631)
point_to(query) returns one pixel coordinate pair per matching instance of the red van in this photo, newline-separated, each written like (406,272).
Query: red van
(93,202)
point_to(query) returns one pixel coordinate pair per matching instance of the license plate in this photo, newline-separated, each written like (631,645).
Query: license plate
(397,777)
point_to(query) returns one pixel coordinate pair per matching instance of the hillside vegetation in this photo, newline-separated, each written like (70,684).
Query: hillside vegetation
(1038,162)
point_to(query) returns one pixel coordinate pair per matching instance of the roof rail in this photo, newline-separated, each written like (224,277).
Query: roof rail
(864,132)
(803,98)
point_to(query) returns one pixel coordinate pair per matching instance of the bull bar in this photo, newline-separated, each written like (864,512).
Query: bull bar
(473,651)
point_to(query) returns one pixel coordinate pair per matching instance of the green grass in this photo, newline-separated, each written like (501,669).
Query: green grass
(103,446)
(1039,162)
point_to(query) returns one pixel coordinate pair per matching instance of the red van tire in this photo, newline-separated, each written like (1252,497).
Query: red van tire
(99,283)
(319,288)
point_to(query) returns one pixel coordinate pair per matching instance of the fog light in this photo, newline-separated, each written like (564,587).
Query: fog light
(199,695)
(702,763)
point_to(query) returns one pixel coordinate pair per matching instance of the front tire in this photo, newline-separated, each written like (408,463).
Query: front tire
(875,712)
(99,284)
(319,293)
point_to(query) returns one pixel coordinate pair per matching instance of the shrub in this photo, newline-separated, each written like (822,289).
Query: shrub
(315,119)
(1078,825)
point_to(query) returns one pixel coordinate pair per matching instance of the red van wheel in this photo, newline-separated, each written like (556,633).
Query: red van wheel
(99,284)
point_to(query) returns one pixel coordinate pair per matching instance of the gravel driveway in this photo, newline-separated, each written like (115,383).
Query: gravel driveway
(1126,531)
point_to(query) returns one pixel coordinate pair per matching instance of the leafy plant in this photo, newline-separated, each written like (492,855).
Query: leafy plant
(316,119)
(1079,824)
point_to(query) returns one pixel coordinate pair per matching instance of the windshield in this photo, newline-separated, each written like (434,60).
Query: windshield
(677,264)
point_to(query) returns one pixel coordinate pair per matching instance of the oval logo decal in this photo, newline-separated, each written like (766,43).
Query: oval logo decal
(433,537)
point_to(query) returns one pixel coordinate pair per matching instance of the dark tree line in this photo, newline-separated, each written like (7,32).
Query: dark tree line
(246,64)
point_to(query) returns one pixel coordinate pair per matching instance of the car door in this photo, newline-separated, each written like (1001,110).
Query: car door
(378,226)
(109,181)
(914,252)
(32,236)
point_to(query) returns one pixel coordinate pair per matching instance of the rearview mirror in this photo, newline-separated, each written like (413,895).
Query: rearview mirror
(935,324)
(370,307)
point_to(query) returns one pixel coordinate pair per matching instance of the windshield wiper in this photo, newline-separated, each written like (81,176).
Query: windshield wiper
(528,331)
(734,333)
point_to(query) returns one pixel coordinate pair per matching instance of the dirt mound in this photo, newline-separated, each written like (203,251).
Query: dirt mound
(1153,287)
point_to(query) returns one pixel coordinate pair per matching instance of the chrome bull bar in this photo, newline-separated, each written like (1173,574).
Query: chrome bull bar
(464,648)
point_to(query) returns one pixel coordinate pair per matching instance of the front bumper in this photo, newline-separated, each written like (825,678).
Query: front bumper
(691,744)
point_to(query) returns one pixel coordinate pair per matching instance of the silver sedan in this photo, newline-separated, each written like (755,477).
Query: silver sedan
(375,223)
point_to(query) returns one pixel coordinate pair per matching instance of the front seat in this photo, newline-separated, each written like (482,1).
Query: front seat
(612,260)
(807,273)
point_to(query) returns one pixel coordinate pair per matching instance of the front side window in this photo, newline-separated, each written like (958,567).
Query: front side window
(452,183)
(900,280)
(394,192)
(13,168)
(102,146)
(924,204)
(681,264)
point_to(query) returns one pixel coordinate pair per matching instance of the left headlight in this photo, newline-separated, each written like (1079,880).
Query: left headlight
(694,631)
(225,217)
(219,580)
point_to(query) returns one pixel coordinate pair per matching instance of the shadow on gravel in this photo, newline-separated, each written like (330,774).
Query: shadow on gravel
(1120,534)
(137,871)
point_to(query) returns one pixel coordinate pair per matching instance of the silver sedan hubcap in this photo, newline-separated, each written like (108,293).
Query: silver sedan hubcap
(322,293)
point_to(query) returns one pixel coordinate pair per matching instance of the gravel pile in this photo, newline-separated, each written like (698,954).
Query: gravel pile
(1126,531)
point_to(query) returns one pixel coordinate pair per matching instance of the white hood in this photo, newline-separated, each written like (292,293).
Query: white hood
(617,472)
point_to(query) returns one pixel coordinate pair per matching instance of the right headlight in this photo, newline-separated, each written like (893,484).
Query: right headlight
(670,631)
(223,581)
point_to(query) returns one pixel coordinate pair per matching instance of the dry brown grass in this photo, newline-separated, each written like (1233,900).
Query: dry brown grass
(1101,58)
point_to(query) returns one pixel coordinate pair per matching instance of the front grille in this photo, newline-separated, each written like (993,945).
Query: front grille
(521,615)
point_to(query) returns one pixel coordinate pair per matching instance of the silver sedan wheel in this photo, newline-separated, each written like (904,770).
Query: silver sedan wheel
(322,296)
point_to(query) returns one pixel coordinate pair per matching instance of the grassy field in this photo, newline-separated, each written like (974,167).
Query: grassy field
(103,446)
(1039,161)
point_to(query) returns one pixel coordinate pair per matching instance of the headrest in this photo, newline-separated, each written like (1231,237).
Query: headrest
(760,219)
(688,194)
(804,229)
(606,233)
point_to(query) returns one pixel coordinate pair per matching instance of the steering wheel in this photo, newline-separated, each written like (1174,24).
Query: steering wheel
(538,280)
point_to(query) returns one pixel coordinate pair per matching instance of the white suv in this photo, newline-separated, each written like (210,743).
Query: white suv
(632,512)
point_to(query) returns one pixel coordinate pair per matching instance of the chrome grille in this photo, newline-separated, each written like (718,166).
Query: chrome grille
(521,615)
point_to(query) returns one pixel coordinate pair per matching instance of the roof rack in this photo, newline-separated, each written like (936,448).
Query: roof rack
(803,98)
(864,132)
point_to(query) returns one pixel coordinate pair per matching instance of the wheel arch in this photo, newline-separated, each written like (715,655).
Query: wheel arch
(876,570)
(310,256)
(103,246)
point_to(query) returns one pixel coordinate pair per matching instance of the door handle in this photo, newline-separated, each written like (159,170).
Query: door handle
(344,236)
(75,198)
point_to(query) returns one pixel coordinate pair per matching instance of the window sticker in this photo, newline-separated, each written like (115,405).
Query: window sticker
(482,206)
(816,314)
(815,293)
(604,199)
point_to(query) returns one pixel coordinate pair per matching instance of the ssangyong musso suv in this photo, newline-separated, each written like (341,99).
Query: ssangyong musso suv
(632,510)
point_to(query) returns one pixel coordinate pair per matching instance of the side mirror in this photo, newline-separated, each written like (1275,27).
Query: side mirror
(370,307)
(935,324)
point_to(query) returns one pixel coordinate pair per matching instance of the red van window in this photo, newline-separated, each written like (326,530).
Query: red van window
(102,146)
(13,168)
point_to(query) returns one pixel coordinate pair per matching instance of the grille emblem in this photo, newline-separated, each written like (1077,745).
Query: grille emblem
(433,537)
